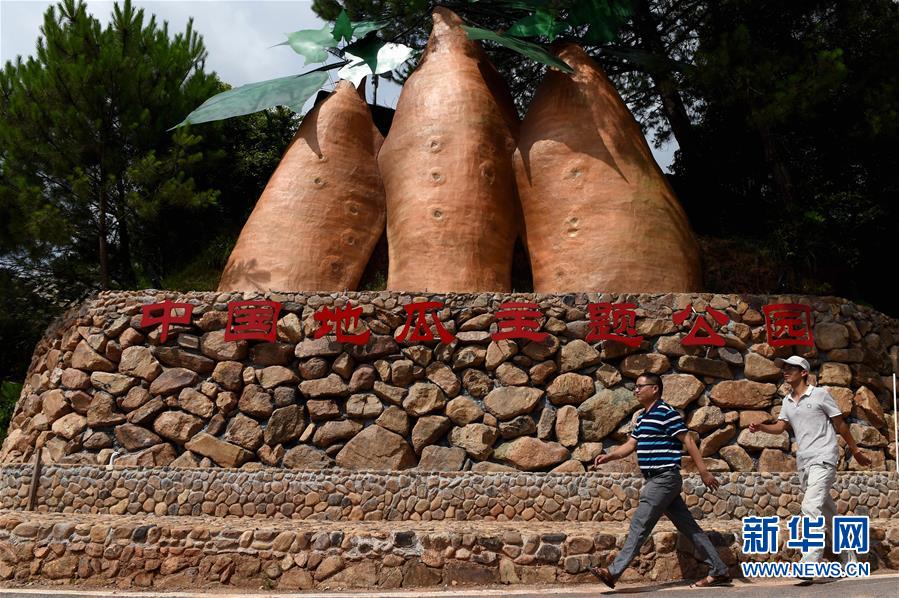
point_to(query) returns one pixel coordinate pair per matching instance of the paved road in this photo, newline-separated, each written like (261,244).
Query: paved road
(876,586)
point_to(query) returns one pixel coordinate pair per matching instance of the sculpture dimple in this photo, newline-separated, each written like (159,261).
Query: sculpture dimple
(450,145)
(487,172)
(581,152)
(303,221)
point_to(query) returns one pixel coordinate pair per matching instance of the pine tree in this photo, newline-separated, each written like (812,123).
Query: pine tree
(87,162)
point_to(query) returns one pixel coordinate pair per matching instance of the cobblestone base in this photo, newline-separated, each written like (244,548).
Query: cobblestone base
(192,552)
(416,496)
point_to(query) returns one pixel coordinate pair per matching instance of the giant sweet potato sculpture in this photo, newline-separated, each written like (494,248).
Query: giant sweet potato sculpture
(447,170)
(321,214)
(598,212)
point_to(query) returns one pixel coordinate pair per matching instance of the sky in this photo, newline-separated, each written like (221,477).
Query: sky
(238,35)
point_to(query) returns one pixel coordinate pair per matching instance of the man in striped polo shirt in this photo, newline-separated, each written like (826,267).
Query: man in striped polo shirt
(659,438)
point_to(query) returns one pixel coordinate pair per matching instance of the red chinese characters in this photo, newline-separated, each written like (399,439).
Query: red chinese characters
(252,320)
(341,321)
(166,314)
(788,324)
(709,337)
(518,320)
(416,327)
(613,322)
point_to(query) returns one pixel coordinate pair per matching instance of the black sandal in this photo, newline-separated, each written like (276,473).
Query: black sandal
(603,575)
(711,581)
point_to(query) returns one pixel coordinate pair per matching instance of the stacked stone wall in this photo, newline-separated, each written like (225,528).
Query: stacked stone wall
(103,389)
(187,553)
(417,496)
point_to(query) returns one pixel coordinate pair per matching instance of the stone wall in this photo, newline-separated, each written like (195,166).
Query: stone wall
(103,389)
(417,496)
(175,553)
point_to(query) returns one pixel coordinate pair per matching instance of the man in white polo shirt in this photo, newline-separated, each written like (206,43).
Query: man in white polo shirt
(815,419)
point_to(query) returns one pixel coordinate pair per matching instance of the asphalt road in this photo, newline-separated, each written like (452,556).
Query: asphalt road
(877,586)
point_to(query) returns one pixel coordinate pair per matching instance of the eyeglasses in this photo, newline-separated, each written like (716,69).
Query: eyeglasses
(639,386)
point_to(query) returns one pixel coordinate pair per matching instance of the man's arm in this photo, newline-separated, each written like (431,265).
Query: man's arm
(840,424)
(776,428)
(707,478)
(619,453)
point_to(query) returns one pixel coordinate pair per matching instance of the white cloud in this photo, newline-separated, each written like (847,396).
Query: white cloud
(238,35)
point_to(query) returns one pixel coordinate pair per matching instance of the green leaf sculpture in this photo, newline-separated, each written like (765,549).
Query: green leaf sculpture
(388,57)
(366,49)
(532,51)
(343,28)
(311,44)
(363,28)
(365,52)
(292,91)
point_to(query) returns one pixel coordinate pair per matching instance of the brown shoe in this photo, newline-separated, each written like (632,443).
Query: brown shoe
(603,575)
(712,580)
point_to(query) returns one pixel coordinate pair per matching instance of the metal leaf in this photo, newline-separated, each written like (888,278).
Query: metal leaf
(363,28)
(388,57)
(366,49)
(311,44)
(532,51)
(343,29)
(290,91)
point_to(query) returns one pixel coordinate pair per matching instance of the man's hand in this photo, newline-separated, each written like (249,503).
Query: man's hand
(710,481)
(777,427)
(602,458)
(861,457)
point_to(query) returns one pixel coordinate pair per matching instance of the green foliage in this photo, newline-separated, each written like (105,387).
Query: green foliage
(25,311)
(80,126)
(539,24)
(9,394)
(603,18)
(202,270)
(86,162)
(788,95)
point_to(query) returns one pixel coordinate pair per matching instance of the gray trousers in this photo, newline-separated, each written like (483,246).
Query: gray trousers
(817,480)
(661,496)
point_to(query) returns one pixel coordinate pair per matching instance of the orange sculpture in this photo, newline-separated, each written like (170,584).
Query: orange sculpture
(599,214)
(321,214)
(447,170)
